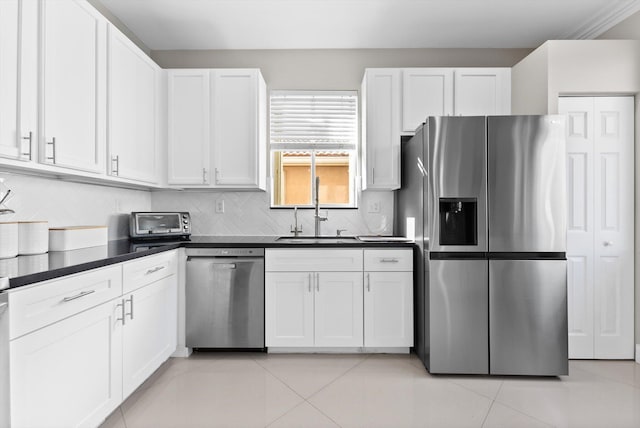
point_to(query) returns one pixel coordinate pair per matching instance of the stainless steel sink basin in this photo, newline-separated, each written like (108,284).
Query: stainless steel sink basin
(316,239)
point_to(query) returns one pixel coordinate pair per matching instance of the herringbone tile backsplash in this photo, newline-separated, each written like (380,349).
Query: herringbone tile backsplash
(248,213)
(64,203)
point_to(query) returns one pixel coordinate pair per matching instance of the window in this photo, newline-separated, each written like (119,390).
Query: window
(314,134)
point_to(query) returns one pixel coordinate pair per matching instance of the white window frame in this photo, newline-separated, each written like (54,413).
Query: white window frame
(313,148)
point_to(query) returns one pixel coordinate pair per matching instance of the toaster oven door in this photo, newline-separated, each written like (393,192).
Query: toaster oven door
(157,224)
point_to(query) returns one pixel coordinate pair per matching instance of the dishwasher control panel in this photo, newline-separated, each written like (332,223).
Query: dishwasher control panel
(225,252)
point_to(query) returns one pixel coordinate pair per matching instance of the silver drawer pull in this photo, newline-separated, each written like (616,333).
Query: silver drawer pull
(224,266)
(79,295)
(389,260)
(3,307)
(154,270)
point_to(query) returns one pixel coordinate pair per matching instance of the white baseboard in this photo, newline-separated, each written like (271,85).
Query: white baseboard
(182,352)
(331,350)
(638,353)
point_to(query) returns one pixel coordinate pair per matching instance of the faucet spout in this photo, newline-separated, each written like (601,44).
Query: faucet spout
(318,218)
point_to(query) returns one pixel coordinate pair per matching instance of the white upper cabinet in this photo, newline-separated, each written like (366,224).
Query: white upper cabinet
(73,80)
(217,129)
(132,107)
(18,78)
(381,128)
(238,109)
(425,92)
(482,91)
(188,152)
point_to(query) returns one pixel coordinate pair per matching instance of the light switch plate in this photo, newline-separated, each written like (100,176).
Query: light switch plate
(373,207)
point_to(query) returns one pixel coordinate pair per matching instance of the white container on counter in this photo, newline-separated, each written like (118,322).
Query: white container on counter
(75,237)
(8,239)
(33,237)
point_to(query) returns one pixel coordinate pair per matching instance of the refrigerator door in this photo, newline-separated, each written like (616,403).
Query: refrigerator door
(457,190)
(528,317)
(526,184)
(459,331)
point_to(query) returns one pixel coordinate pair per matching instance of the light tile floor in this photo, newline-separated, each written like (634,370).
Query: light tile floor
(273,390)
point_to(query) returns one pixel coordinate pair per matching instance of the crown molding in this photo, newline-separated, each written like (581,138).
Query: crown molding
(605,20)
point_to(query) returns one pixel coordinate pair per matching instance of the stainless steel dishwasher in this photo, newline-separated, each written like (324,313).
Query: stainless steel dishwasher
(225,298)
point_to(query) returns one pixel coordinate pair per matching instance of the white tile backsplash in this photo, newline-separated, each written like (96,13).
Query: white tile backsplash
(64,203)
(248,213)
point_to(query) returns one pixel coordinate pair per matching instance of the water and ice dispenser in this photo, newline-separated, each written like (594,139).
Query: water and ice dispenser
(458,221)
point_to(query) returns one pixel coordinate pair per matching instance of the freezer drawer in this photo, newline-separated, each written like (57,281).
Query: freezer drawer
(459,331)
(528,317)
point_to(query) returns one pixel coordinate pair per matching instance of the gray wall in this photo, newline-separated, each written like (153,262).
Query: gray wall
(335,69)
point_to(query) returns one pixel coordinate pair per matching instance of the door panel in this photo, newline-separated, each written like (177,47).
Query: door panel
(459,333)
(425,92)
(600,229)
(528,317)
(527,207)
(288,309)
(338,309)
(455,176)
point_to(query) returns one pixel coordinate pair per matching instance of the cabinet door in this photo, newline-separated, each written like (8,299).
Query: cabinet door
(381,129)
(288,309)
(149,333)
(482,91)
(18,78)
(188,153)
(425,92)
(388,309)
(338,309)
(69,373)
(235,123)
(131,110)
(73,68)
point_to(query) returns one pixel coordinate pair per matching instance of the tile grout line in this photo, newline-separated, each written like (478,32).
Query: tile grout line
(518,411)
(484,421)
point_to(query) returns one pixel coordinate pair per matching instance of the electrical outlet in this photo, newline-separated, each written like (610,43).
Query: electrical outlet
(374,207)
(220,206)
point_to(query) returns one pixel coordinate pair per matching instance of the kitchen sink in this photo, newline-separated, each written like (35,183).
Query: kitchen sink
(316,239)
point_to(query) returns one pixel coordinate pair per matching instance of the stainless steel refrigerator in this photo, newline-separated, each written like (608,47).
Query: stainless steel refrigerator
(488,198)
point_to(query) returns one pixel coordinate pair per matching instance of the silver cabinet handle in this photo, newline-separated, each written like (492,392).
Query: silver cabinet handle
(79,295)
(389,260)
(3,307)
(309,282)
(216,173)
(368,282)
(373,175)
(116,170)
(52,143)
(156,269)
(317,282)
(608,243)
(123,319)
(204,175)
(30,139)
(130,307)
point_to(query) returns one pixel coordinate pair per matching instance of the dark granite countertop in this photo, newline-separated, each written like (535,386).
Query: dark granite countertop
(24,270)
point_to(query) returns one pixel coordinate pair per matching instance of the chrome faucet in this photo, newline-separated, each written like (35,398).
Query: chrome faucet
(295,229)
(317,215)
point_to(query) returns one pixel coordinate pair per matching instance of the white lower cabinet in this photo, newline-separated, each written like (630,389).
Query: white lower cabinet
(68,374)
(313,309)
(149,333)
(369,303)
(388,298)
(388,309)
(74,370)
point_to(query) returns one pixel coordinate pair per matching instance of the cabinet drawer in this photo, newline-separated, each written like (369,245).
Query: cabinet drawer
(146,270)
(304,260)
(50,301)
(384,260)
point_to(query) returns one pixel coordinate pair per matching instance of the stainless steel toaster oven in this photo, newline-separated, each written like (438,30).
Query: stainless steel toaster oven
(154,225)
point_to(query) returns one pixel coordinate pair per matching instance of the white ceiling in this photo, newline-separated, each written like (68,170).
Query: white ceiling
(341,24)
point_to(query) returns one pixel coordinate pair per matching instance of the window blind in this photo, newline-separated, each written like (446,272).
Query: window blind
(314,120)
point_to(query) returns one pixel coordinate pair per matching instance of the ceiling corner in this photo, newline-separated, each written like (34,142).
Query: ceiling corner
(604,21)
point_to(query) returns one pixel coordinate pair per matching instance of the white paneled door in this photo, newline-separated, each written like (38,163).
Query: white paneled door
(600,226)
